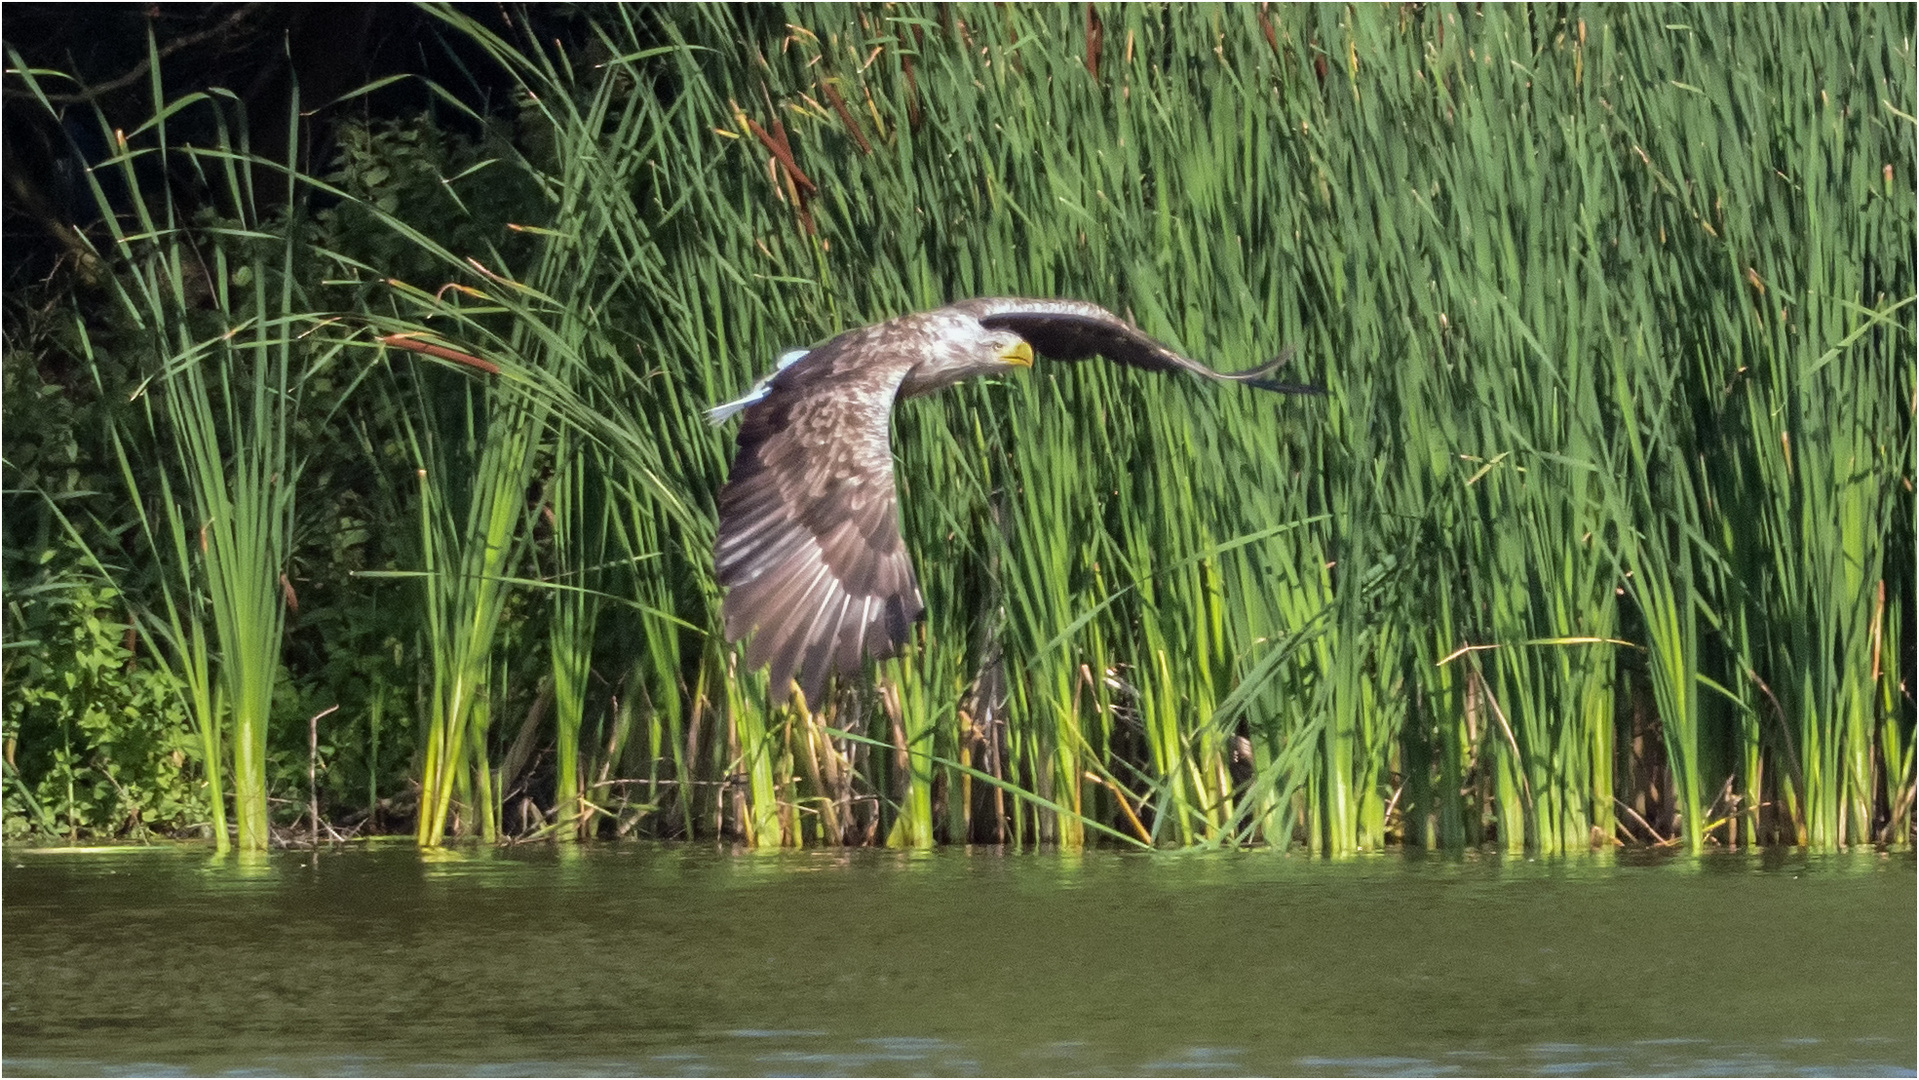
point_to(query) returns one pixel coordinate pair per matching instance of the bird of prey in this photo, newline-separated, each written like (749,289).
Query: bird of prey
(809,545)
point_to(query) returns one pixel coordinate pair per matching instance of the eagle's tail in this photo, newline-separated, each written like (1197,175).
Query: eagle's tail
(720,414)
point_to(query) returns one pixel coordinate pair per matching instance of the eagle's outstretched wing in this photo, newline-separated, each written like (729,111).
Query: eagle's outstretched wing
(809,544)
(1075,330)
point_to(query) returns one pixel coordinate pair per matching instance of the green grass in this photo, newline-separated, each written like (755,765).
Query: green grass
(1609,504)
(215,330)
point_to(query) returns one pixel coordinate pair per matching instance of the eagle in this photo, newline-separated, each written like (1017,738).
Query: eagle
(809,549)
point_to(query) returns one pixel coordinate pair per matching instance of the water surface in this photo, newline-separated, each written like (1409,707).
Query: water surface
(680,961)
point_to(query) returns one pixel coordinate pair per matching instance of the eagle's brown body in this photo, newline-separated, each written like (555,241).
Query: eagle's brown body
(809,544)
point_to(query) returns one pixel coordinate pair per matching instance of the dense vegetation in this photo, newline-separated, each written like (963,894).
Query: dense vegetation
(375,494)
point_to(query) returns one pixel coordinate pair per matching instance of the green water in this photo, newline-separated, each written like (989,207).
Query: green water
(667,960)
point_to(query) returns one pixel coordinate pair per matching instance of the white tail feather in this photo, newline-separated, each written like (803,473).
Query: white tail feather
(720,414)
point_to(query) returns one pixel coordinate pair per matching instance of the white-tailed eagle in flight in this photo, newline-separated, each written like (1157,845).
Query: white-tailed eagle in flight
(809,547)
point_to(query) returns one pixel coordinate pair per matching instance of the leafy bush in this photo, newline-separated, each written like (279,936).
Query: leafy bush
(98,741)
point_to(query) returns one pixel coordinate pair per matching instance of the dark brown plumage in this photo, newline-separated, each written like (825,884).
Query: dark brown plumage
(809,545)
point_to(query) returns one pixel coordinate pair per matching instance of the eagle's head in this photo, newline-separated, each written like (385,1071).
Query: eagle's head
(1001,349)
(960,348)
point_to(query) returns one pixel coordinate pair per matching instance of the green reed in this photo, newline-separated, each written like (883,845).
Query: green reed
(1490,233)
(219,326)
(1612,307)
(542,328)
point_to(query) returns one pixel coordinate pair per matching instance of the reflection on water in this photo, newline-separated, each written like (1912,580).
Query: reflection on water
(685,961)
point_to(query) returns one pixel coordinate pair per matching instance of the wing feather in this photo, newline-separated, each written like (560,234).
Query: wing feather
(1075,330)
(809,545)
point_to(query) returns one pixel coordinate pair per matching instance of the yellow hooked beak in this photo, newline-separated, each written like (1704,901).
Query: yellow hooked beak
(1020,354)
